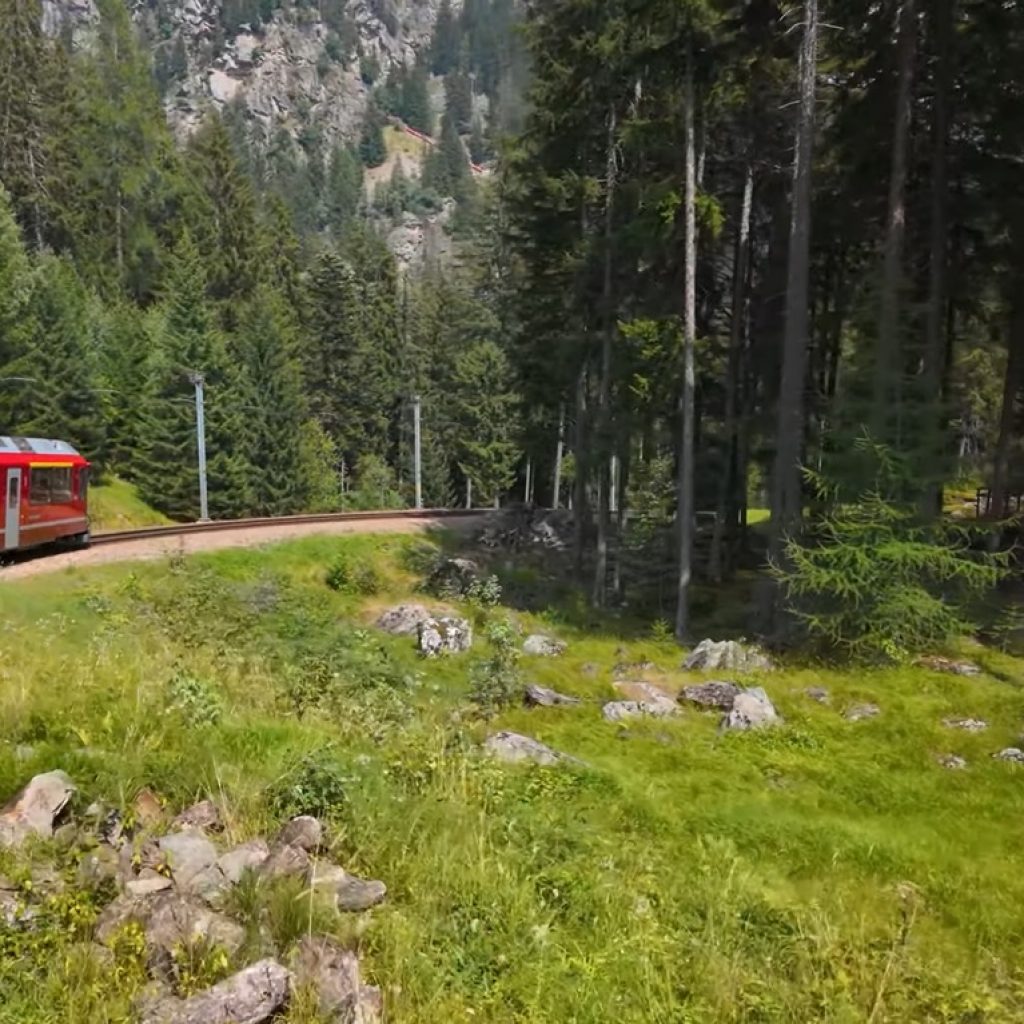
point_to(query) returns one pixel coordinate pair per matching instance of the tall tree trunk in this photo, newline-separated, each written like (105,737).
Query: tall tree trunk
(579,503)
(1012,383)
(888,382)
(600,584)
(727,479)
(556,484)
(935,326)
(786,501)
(685,508)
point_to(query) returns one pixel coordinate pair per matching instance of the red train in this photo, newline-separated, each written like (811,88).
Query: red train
(45,485)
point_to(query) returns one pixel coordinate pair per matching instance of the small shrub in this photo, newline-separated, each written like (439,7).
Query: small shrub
(661,631)
(194,699)
(497,681)
(345,578)
(314,786)
(484,592)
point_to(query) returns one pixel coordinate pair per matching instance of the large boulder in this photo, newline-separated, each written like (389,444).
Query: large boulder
(35,809)
(751,709)
(514,748)
(453,577)
(248,856)
(727,655)
(444,636)
(403,619)
(715,696)
(285,861)
(541,697)
(252,996)
(305,832)
(543,646)
(619,710)
(188,854)
(332,974)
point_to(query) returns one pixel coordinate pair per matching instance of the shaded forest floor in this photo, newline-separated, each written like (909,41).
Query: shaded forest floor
(828,870)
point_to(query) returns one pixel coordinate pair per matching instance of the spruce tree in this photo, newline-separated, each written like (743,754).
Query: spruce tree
(444,46)
(372,150)
(414,107)
(458,100)
(344,188)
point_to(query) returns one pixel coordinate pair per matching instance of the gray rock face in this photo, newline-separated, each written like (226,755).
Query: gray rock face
(252,996)
(444,636)
(452,577)
(355,895)
(323,967)
(190,856)
(1012,754)
(169,919)
(543,646)
(620,710)
(751,709)
(149,883)
(859,712)
(952,761)
(203,815)
(514,748)
(716,696)
(541,697)
(285,861)
(403,619)
(34,810)
(305,832)
(248,856)
(729,655)
(967,724)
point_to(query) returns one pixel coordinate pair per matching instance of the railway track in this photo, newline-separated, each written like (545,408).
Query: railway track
(218,525)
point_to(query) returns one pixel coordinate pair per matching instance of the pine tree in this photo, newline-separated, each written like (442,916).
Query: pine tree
(446,169)
(458,100)
(344,188)
(479,147)
(414,107)
(444,46)
(372,150)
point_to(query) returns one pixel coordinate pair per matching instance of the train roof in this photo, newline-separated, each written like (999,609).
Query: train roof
(37,446)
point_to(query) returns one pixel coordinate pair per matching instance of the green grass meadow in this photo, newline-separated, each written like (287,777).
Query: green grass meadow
(825,871)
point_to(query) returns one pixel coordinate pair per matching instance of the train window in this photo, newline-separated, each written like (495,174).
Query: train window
(83,483)
(12,492)
(49,486)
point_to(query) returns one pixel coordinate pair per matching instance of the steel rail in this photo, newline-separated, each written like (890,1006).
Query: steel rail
(215,525)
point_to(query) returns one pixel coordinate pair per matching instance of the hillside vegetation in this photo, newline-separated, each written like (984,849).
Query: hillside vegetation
(824,870)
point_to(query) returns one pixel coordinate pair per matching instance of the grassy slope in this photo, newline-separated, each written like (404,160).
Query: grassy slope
(829,871)
(115,505)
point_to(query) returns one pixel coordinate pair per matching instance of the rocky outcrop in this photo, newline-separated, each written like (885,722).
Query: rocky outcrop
(751,709)
(444,636)
(35,809)
(717,696)
(730,655)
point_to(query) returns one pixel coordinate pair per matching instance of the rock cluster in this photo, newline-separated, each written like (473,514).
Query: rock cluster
(447,635)
(727,655)
(522,527)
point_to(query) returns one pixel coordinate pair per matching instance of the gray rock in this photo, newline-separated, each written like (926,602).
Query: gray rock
(245,857)
(403,619)
(252,996)
(332,973)
(14,911)
(514,748)
(858,712)
(542,697)
(35,809)
(1012,754)
(543,646)
(188,854)
(323,876)
(967,724)
(710,655)
(717,696)
(620,710)
(305,832)
(951,667)
(818,694)
(952,761)
(358,894)
(444,636)
(170,919)
(751,709)
(149,883)
(203,815)
(452,577)
(285,861)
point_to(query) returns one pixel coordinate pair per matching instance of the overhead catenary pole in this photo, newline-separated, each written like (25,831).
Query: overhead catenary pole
(198,381)
(416,453)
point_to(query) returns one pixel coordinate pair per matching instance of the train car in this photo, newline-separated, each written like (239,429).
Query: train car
(45,485)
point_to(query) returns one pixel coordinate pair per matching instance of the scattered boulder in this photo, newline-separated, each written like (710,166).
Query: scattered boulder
(323,967)
(285,861)
(403,619)
(818,694)
(452,577)
(543,646)
(189,855)
(149,883)
(35,809)
(147,809)
(967,724)
(859,712)
(203,815)
(444,636)
(632,689)
(951,667)
(305,832)
(252,996)
(355,895)
(247,856)
(514,748)
(619,710)
(730,655)
(715,696)
(1013,754)
(751,709)
(952,761)
(541,697)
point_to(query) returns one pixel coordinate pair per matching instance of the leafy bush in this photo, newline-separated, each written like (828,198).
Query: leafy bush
(497,681)
(485,592)
(347,578)
(196,700)
(315,785)
(871,579)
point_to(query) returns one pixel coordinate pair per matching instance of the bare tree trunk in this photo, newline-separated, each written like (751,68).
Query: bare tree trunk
(579,484)
(727,479)
(935,326)
(888,388)
(528,482)
(786,500)
(559,452)
(1012,383)
(685,510)
(600,584)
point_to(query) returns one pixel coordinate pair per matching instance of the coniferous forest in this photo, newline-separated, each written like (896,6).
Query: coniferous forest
(730,257)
